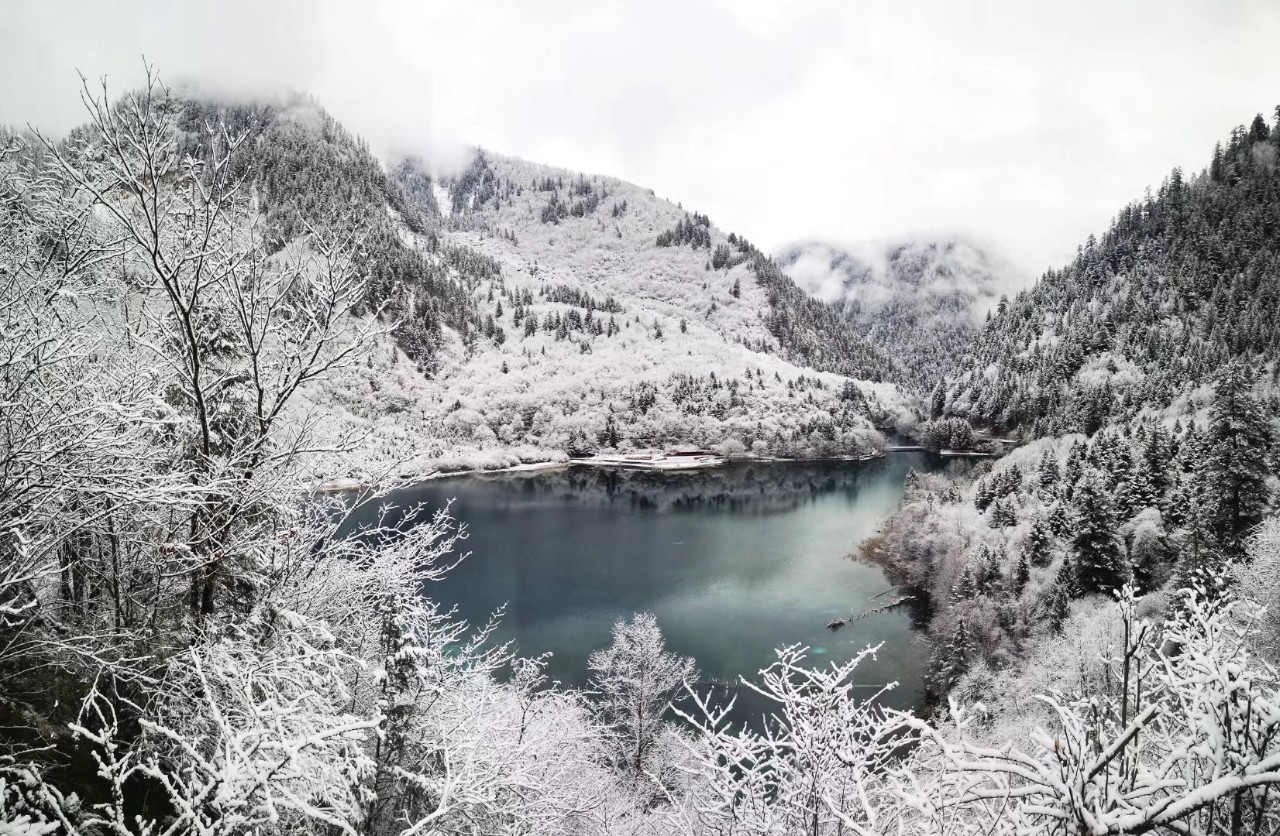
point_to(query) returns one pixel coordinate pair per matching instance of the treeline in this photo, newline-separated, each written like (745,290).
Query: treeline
(584,198)
(694,231)
(811,333)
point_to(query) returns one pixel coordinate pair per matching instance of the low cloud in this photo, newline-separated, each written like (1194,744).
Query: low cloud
(841,121)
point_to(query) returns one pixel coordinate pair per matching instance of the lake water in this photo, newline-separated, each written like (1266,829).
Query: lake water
(733,561)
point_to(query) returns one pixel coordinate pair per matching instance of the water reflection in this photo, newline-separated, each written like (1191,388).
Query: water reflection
(752,488)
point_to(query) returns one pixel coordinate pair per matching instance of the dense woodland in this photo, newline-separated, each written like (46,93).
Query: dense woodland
(1184,282)
(187,645)
(1142,378)
(1003,551)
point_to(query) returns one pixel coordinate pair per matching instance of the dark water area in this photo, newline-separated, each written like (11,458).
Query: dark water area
(733,562)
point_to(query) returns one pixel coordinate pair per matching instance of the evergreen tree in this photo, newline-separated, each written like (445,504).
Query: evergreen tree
(1059,520)
(1234,474)
(1039,545)
(988,571)
(1057,603)
(1074,468)
(1140,489)
(1100,563)
(1157,454)
(966,586)
(1048,475)
(1021,574)
(1003,513)
(938,400)
(952,660)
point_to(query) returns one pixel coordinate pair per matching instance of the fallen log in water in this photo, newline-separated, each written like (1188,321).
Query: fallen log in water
(837,623)
(897,602)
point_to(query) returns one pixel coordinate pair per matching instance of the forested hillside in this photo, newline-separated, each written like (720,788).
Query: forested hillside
(1185,280)
(533,312)
(921,302)
(1143,375)
(306,170)
(610,320)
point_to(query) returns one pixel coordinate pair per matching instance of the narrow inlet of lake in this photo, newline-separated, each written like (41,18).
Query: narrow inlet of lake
(734,562)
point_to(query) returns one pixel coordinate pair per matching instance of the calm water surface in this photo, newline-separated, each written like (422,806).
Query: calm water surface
(733,562)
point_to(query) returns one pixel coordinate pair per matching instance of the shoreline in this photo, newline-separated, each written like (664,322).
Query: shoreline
(628,461)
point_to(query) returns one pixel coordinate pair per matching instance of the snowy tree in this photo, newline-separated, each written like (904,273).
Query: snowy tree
(953,659)
(815,768)
(1235,469)
(1039,543)
(1186,741)
(1064,587)
(635,679)
(1096,547)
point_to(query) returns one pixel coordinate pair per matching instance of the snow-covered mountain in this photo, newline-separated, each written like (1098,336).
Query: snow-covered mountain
(540,312)
(920,301)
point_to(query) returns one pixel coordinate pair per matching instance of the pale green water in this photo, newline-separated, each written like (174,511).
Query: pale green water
(733,562)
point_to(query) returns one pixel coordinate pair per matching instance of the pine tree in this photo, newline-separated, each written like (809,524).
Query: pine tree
(1048,475)
(1140,490)
(1057,603)
(1021,574)
(1100,563)
(987,571)
(1039,545)
(1003,513)
(938,400)
(1074,468)
(1234,475)
(1059,520)
(966,586)
(953,659)
(1157,455)
(984,492)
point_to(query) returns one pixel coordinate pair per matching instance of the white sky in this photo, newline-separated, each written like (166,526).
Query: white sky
(1025,125)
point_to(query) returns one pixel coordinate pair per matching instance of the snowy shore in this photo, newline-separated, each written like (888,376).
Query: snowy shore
(635,461)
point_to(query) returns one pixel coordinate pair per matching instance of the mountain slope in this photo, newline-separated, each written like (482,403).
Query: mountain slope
(595,335)
(1183,281)
(922,302)
(536,312)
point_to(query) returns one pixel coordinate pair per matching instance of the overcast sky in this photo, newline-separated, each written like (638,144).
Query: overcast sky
(1025,125)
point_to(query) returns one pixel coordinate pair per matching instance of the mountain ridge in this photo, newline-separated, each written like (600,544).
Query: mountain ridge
(541,312)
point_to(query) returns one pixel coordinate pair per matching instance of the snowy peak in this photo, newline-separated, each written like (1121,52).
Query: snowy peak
(947,276)
(920,301)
